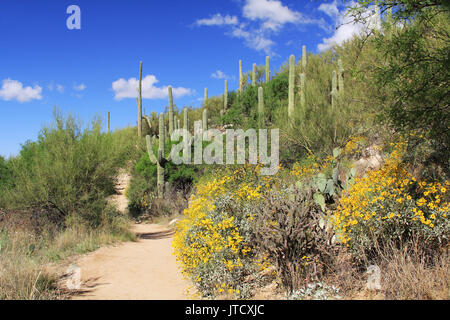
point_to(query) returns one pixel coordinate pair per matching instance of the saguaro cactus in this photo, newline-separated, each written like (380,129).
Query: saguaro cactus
(241,77)
(291,92)
(254,75)
(139,101)
(205,120)
(333,89)
(160,160)
(261,117)
(225,97)
(302,91)
(108,122)
(267,69)
(340,77)
(171,123)
(206,97)
(303,59)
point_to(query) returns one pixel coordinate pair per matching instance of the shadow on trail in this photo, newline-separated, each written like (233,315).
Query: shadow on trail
(155,235)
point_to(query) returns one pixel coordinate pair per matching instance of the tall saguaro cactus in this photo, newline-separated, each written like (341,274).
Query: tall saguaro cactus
(205,120)
(139,101)
(160,160)
(340,77)
(333,89)
(241,77)
(205,97)
(302,91)
(171,123)
(254,75)
(108,122)
(291,93)
(303,59)
(267,69)
(225,97)
(261,116)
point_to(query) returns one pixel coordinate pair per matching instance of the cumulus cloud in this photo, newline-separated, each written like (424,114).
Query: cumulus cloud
(262,19)
(218,20)
(329,8)
(272,12)
(79,87)
(219,75)
(58,87)
(14,90)
(128,89)
(348,28)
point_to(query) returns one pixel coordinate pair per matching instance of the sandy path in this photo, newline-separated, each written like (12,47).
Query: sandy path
(143,270)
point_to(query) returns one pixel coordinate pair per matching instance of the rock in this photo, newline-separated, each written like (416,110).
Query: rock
(371,160)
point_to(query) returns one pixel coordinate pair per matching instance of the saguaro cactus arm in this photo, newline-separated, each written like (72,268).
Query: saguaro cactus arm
(261,116)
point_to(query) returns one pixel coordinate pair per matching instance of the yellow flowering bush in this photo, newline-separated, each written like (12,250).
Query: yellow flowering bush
(389,206)
(213,241)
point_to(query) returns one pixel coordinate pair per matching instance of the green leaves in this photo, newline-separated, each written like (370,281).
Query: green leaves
(320,200)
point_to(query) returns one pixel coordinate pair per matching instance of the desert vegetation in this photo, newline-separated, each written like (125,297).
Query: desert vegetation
(363,181)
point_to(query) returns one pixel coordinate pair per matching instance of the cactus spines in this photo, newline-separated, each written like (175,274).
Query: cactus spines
(267,69)
(291,93)
(333,89)
(225,97)
(171,124)
(160,160)
(241,78)
(254,75)
(340,77)
(205,120)
(139,101)
(303,58)
(108,126)
(261,107)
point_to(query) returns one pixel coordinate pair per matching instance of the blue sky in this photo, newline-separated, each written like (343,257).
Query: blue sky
(189,45)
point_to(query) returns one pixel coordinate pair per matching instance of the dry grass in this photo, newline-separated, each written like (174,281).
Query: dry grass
(26,256)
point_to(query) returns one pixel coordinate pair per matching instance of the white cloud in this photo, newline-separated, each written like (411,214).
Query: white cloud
(79,87)
(272,12)
(58,87)
(14,90)
(128,89)
(218,20)
(219,75)
(261,20)
(329,8)
(348,28)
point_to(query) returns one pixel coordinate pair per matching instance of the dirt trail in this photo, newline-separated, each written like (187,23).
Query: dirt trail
(142,270)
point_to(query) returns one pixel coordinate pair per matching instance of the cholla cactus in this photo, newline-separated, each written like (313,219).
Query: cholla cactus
(291,92)
(160,160)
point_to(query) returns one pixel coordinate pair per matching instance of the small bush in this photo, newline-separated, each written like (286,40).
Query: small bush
(291,229)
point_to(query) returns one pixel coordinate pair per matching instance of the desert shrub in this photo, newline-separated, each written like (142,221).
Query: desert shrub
(390,207)
(290,228)
(69,167)
(213,240)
